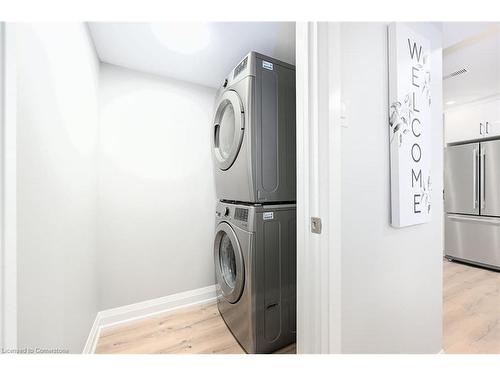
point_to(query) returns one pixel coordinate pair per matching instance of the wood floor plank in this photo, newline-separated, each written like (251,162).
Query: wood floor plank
(471,322)
(196,330)
(471,309)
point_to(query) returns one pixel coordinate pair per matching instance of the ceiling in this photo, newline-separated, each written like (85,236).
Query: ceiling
(476,48)
(202,53)
(455,32)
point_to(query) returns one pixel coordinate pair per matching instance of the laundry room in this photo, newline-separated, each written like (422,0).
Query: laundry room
(150,125)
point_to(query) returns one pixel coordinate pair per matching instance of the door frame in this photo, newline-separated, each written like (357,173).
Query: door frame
(8,186)
(318,78)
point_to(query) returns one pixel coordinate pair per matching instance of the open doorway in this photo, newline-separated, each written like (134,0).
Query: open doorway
(471,277)
(152,157)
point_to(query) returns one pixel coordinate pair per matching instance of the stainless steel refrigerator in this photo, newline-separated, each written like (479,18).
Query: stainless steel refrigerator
(472,203)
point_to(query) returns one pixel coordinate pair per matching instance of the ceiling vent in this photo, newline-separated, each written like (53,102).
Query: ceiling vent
(455,73)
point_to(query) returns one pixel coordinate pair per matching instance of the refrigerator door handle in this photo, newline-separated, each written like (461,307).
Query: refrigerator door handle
(475,160)
(483,187)
(476,219)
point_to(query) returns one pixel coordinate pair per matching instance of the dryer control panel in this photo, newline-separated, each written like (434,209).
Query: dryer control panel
(241,66)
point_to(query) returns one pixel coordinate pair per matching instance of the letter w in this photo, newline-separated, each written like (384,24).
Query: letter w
(414,51)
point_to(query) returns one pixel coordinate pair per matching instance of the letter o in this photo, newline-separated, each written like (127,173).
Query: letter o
(416,146)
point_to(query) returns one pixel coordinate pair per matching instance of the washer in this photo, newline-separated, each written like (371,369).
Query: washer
(254,132)
(255,266)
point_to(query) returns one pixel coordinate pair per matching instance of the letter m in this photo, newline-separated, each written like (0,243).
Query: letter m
(416,177)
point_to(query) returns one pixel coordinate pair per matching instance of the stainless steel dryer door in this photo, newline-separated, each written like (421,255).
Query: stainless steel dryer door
(229,265)
(229,126)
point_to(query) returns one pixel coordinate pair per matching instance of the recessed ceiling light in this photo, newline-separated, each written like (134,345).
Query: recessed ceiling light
(450,102)
(182,37)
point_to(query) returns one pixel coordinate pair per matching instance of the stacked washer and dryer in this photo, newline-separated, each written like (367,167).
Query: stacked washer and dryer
(255,236)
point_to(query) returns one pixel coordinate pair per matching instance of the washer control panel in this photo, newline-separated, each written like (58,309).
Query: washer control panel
(236,214)
(224,211)
(241,214)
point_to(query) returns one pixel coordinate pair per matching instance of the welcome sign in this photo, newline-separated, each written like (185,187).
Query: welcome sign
(409,126)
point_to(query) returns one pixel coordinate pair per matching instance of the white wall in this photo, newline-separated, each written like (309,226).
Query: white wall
(57,205)
(8,230)
(391,278)
(112,210)
(156,187)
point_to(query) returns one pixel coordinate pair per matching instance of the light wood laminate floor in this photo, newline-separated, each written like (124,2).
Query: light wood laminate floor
(196,330)
(471,308)
(471,322)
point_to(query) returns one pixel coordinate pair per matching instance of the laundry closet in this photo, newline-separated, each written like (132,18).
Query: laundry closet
(135,142)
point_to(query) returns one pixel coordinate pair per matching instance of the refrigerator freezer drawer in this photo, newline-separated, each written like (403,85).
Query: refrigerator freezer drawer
(474,239)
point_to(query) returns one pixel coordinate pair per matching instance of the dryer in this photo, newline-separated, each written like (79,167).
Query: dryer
(255,265)
(254,132)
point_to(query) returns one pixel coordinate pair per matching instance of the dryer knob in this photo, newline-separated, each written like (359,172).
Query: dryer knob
(226,211)
(225,83)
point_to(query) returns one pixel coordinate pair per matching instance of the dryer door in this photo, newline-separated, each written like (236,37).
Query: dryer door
(229,126)
(229,266)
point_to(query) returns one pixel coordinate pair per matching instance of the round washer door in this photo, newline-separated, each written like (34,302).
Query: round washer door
(229,265)
(229,126)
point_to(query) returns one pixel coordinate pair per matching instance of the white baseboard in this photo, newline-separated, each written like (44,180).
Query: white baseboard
(140,310)
(94,334)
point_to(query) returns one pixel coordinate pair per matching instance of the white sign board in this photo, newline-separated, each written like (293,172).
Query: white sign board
(409,126)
